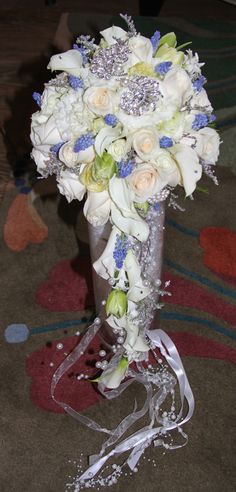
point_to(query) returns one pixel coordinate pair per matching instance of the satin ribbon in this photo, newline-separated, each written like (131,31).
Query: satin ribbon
(140,440)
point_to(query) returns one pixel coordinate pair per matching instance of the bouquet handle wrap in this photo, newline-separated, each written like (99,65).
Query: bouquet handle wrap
(98,237)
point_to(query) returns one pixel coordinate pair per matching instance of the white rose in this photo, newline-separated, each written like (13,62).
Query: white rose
(40,158)
(100,100)
(118,149)
(208,145)
(71,62)
(200,99)
(145,182)
(71,158)
(206,142)
(113,32)
(97,208)
(69,185)
(45,133)
(141,50)
(167,168)
(146,143)
(176,87)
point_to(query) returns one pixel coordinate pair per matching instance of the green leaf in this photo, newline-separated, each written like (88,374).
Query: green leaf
(202,190)
(183,45)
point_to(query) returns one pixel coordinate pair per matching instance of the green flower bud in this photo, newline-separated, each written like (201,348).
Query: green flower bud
(116,303)
(165,53)
(142,207)
(86,178)
(169,39)
(142,69)
(104,167)
(98,124)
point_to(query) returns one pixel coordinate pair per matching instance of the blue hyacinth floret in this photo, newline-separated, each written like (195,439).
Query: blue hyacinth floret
(111,119)
(198,83)
(83,142)
(125,168)
(200,121)
(121,247)
(155,40)
(75,82)
(163,68)
(165,142)
(55,148)
(37,98)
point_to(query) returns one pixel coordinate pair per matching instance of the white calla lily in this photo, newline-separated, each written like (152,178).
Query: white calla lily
(134,342)
(111,378)
(112,33)
(137,291)
(97,208)
(105,265)
(71,62)
(105,138)
(123,212)
(189,166)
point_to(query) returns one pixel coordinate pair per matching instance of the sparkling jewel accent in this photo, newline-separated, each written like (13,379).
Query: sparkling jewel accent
(141,95)
(108,62)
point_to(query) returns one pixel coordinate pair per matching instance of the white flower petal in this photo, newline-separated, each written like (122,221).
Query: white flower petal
(97,208)
(105,265)
(123,212)
(70,186)
(134,342)
(111,378)
(70,62)
(105,138)
(113,32)
(189,166)
(137,291)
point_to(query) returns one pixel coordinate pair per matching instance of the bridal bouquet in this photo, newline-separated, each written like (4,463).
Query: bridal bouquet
(124,123)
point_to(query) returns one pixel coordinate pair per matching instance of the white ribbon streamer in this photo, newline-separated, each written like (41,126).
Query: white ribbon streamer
(140,440)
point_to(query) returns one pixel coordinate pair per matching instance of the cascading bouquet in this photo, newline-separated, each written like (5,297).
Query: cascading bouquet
(125,122)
